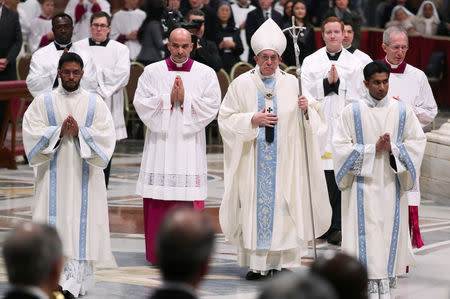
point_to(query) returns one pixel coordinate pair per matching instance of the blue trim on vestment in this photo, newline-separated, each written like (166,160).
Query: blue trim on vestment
(266,176)
(43,142)
(52,207)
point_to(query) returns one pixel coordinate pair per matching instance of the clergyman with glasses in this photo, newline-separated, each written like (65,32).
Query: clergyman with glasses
(69,137)
(410,85)
(265,211)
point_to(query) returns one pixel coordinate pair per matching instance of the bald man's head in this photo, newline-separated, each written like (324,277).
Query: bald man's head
(185,243)
(180,45)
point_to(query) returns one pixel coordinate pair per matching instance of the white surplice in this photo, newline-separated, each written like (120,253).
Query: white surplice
(374,218)
(173,164)
(123,23)
(70,191)
(363,57)
(239,219)
(44,69)
(40,28)
(412,87)
(315,68)
(81,28)
(112,65)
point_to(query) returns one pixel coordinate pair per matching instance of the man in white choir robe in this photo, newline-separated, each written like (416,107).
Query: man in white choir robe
(332,75)
(43,74)
(112,65)
(410,85)
(265,210)
(176,99)
(349,34)
(69,137)
(378,150)
(81,12)
(42,33)
(125,25)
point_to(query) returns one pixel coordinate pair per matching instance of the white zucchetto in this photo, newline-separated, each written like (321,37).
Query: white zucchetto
(268,37)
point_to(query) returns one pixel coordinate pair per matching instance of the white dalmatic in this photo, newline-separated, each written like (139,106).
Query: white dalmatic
(374,218)
(81,27)
(40,28)
(173,164)
(70,191)
(44,69)
(123,23)
(314,70)
(265,210)
(412,87)
(112,65)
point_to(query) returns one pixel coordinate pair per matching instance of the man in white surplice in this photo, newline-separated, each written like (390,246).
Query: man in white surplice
(265,210)
(112,65)
(410,85)
(69,137)
(176,99)
(332,75)
(43,75)
(378,150)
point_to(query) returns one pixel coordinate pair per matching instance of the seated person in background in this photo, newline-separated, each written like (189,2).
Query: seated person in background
(345,273)
(287,13)
(205,51)
(427,19)
(306,40)
(34,259)
(229,44)
(42,33)
(342,11)
(402,17)
(184,248)
(125,25)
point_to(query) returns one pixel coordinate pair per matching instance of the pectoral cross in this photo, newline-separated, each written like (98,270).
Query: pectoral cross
(269,110)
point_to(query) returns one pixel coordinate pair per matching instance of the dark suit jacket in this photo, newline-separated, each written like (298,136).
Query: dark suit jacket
(10,42)
(208,54)
(255,18)
(19,294)
(171,294)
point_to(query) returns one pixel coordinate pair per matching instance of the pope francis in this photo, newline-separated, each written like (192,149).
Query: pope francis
(265,211)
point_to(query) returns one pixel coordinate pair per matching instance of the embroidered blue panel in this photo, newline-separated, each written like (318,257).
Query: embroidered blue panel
(42,142)
(85,176)
(266,179)
(52,208)
(399,142)
(362,250)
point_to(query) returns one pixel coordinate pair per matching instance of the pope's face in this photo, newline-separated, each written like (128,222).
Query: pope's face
(333,36)
(100,29)
(396,50)
(70,74)
(180,45)
(268,61)
(378,85)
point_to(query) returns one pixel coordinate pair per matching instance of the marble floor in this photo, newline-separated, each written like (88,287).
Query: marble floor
(135,278)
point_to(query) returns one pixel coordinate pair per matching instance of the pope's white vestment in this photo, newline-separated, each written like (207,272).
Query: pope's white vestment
(265,210)
(123,23)
(374,217)
(314,70)
(81,27)
(70,189)
(44,69)
(112,65)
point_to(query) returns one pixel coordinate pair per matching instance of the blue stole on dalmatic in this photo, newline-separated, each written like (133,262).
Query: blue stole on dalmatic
(266,178)
(359,146)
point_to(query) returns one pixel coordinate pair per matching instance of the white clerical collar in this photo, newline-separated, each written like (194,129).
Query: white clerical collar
(62,90)
(372,102)
(179,64)
(334,53)
(393,66)
(258,71)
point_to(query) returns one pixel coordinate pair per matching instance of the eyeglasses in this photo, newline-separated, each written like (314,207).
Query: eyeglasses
(67,73)
(272,58)
(398,48)
(99,26)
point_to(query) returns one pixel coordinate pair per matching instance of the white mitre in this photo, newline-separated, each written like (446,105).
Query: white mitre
(268,37)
